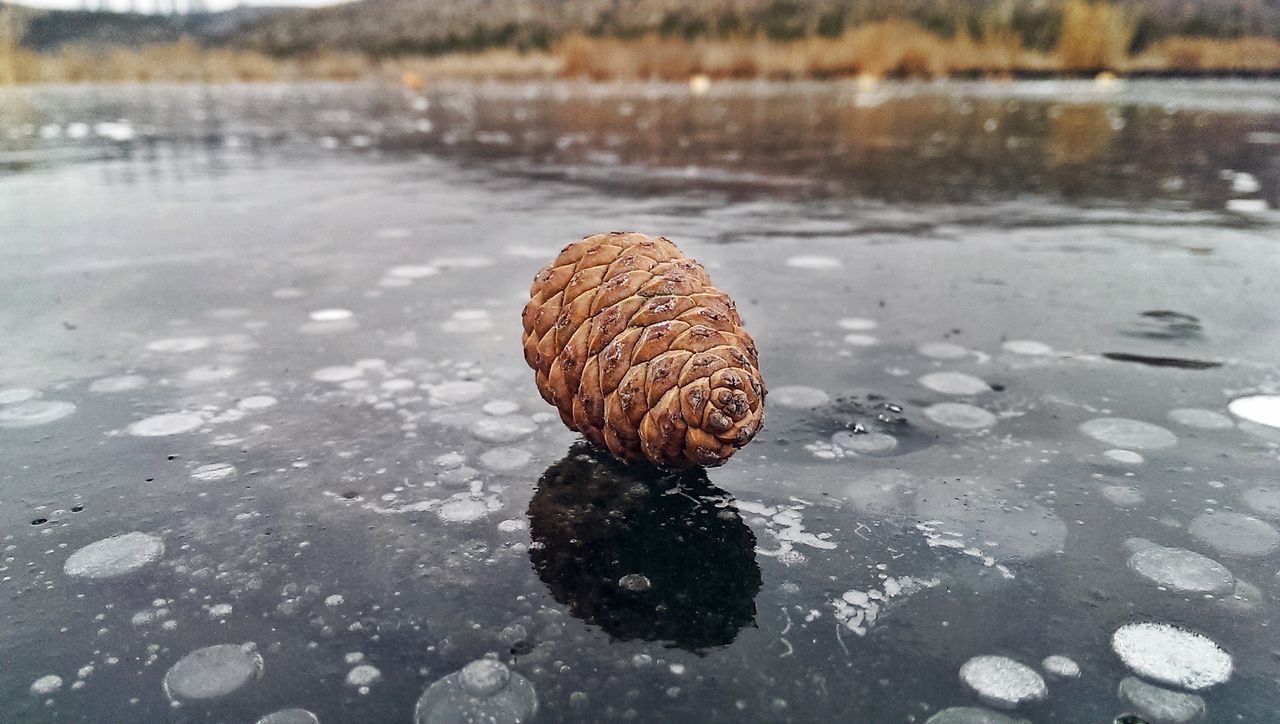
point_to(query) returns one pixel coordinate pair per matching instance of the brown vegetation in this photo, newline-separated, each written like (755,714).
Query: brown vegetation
(1094,36)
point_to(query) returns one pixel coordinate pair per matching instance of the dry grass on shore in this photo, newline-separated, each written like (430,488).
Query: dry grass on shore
(1093,38)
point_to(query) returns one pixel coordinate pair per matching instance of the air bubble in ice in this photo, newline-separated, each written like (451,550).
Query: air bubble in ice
(120,383)
(1170,655)
(1260,409)
(290,716)
(1061,667)
(1002,682)
(1128,457)
(508,428)
(942,350)
(505,458)
(10,395)
(484,690)
(954,383)
(1126,433)
(213,471)
(331,315)
(1203,419)
(870,442)
(960,415)
(179,345)
(456,392)
(169,423)
(257,402)
(212,672)
(1182,570)
(34,412)
(814,263)
(46,685)
(1263,500)
(1027,347)
(1159,704)
(798,397)
(339,373)
(1235,534)
(114,556)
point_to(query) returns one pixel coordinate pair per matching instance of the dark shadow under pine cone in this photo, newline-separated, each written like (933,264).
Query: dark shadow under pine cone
(644,553)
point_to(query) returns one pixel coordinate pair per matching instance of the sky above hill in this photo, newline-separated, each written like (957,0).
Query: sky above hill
(151,6)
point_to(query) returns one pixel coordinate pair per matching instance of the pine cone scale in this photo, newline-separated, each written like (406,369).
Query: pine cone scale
(636,349)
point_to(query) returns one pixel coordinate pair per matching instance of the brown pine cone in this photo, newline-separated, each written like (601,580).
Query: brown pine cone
(641,354)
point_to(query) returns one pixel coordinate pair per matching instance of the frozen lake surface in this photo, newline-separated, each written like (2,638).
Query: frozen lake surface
(271,451)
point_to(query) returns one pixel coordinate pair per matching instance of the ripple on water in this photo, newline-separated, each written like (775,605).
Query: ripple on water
(1260,409)
(1126,433)
(1159,704)
(1182,570)
(1002,682)
(33,413)
(960,415)
(954,383)
(120,383)
(1235,534)
(483,691)
(798,397)
(212,672)
(115,556)
(1203,419)
(1170,655)
(169,423)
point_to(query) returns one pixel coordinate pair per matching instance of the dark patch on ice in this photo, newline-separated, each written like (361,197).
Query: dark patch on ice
(1181,363)
(1165,324)
(595,521)
(865,414)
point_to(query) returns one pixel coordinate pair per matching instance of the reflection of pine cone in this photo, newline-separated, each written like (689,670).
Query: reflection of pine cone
(641,354)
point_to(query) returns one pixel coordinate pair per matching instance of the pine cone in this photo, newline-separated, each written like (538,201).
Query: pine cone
(641,354)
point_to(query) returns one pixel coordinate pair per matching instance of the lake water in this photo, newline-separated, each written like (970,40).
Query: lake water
(269,441)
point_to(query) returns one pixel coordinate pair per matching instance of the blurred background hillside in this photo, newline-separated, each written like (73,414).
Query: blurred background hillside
(666,39)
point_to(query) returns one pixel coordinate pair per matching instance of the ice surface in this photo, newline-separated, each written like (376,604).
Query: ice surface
(213,471)
(1027,347)
(1128,457)
(114,556)
(942,350)
(1170,655)
(338,373)
(331,315)
(212,672)
(1002,682)
(179,345)
(971,715)
(814,262)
